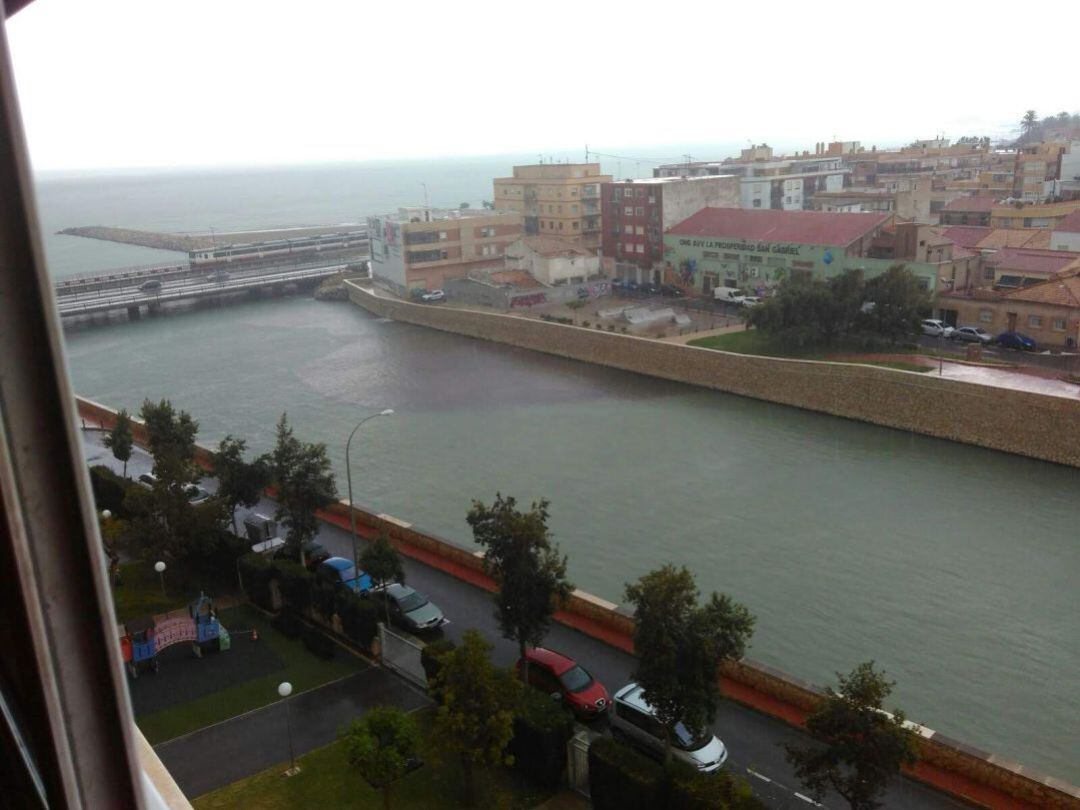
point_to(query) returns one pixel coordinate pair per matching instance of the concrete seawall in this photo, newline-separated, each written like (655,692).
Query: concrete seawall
(1028,424)
(973,775)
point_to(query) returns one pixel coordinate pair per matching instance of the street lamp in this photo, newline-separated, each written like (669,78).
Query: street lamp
(159,566)
(285,689)
(348,477)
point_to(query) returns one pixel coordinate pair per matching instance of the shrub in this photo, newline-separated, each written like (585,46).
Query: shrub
(318,643)
(542,728)
(431,654)
(586,324)
(689,789)
(324,597)
(109,490)
(296,585)
(575,304)
(256,573)
(359,619)
(622,779)
(288,624)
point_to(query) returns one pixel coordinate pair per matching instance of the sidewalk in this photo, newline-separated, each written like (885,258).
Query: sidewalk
(219,755)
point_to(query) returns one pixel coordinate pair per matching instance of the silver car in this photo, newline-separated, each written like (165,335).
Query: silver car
(972,334)
(633,720)
(936,328)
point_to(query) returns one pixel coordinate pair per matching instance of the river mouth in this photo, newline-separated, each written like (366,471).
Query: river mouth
(952,566)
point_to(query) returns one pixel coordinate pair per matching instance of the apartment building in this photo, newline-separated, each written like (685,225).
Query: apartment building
(420,248)
(637,212)
(968,211)
(1036,170)
(555,199)
(1047,215)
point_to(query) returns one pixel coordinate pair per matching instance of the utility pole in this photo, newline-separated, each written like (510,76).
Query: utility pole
(586,153)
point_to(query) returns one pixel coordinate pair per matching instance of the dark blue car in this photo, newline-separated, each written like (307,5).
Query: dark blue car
(1018,341)
(342,573)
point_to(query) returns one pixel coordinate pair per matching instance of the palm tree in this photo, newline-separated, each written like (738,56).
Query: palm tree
(1063,118)
(1029,122)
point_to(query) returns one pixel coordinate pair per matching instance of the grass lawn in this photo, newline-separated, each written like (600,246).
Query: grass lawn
(302,669)
(327,780)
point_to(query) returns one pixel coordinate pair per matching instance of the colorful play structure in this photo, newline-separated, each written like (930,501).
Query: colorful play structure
(144,638)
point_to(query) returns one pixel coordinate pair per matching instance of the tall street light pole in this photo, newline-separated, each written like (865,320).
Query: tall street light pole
(348,477)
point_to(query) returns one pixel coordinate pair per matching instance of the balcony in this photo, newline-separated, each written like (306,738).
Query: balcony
(590,192)
(591,225)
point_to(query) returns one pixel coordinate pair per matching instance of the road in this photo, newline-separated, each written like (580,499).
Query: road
(754,741)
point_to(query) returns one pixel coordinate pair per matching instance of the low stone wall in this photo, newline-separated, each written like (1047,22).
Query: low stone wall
(1020,422)
(947,765)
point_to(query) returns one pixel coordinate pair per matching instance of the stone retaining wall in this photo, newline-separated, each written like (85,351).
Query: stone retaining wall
(1020,422)
(953,767)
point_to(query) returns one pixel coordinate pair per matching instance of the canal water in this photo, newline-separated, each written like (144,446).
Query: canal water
(955,568)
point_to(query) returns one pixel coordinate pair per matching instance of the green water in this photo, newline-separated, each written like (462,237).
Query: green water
(954,567)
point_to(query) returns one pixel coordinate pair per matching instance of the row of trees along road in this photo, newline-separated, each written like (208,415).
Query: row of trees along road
(680,643)
(848,309)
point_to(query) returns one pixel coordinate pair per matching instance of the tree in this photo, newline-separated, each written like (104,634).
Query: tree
(863,747)
(681,645)
(305,484)
(475,718)
(1029,122)
(119,439)
(464,206)
(240,483)
(530,571)
(171,439)
(380,745)
(898,301)
(804,314)
(1063,118)
(381,560)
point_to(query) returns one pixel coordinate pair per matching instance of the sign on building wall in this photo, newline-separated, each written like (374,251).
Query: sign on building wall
(744,247)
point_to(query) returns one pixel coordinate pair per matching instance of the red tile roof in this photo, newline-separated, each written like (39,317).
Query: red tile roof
(980,204)
(1028,260)
(1071,223)
(1063,291)
(967,236)
(799,227)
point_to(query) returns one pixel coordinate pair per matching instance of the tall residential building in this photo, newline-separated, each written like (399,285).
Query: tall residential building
(637,212)
(784,183)
(555,199)
(1037,168)
(419,248)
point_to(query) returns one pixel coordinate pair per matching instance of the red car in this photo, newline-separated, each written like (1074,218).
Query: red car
(553,672)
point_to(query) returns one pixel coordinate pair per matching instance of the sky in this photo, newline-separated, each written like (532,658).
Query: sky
(122,83)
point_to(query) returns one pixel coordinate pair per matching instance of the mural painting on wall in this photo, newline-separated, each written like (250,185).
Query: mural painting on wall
(529,300)
(596,289)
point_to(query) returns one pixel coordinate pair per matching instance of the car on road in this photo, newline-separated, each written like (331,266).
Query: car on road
(749,301)
(196,494)
(147,480)
(314,554)
(671,291)
(153,285)
(972,334)
(565,679)
(1018,341)
(936,328)
(432,296)
(220,276)
(409,608)
(341,573)
(635,721)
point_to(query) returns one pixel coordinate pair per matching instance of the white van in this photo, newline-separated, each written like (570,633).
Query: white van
(731,295)
(634,721)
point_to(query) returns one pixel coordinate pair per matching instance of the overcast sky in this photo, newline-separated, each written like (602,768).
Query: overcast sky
(113,83)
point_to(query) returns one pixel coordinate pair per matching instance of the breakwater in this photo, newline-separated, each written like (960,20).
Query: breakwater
(964,771)
(1020,422)
(187,242)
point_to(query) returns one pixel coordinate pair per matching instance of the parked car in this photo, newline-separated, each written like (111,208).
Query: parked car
(1018,341)
(153,285)
(314,554)
(432,296)
(936,328)
(749,301)
(196,494)
(147,480)
(341,573)
(731,295)
(671,291)
(565,679)
(634,721)
(972,334)
(649,289)
(409,608)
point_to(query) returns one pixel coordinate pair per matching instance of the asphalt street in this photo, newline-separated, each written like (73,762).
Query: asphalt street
(754,741)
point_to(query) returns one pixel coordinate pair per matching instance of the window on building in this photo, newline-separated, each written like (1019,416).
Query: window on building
(639,248)
(573,191)
(628,248)
(560,224)
(573,208)
(576,224)
(988,274)
(986,315)
(710,254)
(628,228)
(757,203)
(640,230)
(629,210)
(639,212)
(1035,321)
(731,257)
(641,192)
(618,192)
(1059,324)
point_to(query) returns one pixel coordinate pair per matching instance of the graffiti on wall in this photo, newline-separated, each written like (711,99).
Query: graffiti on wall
(530,300)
